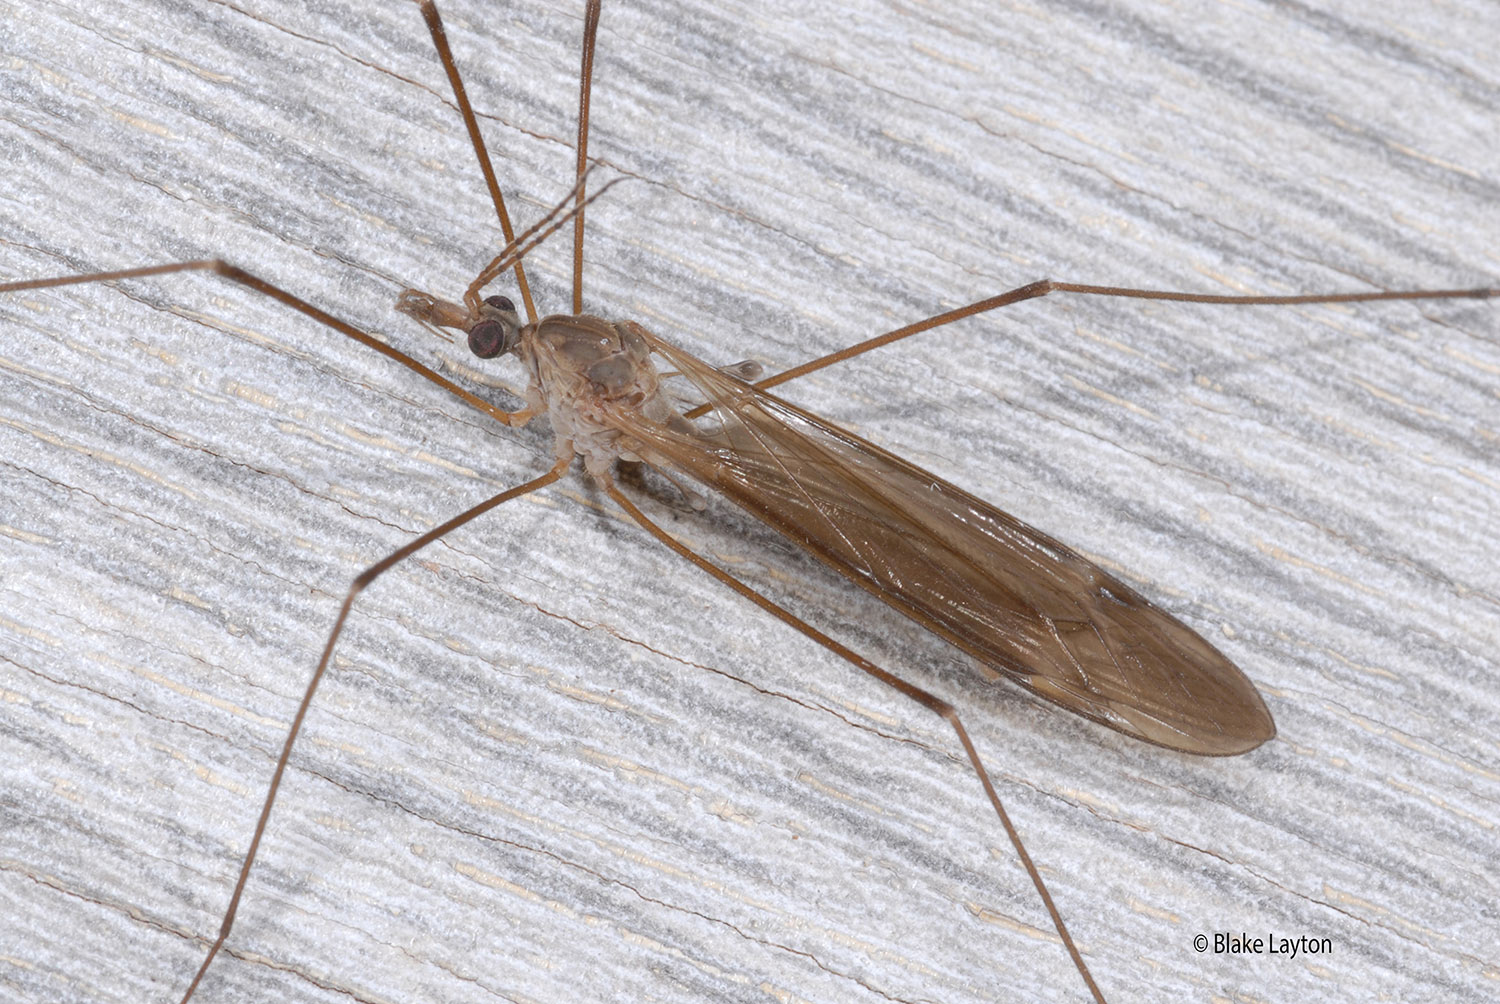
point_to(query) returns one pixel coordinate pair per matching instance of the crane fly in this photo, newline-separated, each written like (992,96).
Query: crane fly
(711,375)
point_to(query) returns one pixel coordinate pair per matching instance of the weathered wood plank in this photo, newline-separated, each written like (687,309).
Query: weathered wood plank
(554,765)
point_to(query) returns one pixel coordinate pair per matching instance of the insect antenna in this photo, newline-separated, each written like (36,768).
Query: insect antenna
(511,255)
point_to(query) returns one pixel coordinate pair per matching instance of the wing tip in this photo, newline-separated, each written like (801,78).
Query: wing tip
(1247,731)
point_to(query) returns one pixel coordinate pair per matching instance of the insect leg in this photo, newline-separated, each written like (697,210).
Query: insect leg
(1041,288)
(239,275)
(361,581)
(927,700)
(366,577)
(585,81)
(445,56)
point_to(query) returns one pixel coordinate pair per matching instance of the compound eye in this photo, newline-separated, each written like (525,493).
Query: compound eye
(500,303)
(487,338)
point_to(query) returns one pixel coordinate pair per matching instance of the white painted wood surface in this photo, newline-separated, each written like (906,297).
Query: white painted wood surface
(554,765)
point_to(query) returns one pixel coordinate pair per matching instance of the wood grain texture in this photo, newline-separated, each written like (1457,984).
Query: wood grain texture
(554,765)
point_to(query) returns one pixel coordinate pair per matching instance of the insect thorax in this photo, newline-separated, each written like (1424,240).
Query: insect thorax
(586,372)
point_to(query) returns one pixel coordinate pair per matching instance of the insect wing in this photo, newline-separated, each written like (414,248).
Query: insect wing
(1037,612)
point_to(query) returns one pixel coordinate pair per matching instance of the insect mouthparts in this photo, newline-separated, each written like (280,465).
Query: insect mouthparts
(429,309)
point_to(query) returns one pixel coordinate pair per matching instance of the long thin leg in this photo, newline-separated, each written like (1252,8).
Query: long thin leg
(445,55)
(1036,289)
(364,578)
(239,275)
(585,84)
(927,700)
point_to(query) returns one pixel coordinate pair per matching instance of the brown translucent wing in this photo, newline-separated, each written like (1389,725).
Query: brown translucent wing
(1007,594)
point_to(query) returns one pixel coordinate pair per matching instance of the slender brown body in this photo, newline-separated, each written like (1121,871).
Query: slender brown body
(1024,604)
